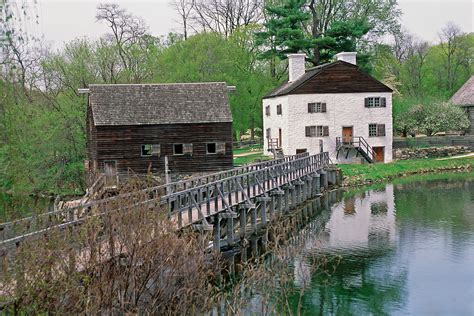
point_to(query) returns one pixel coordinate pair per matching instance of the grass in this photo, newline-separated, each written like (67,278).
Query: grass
(246,149)
(238,161)
(359,174)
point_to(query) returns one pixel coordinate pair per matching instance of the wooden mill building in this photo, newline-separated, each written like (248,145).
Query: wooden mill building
(464,97)
(132,127)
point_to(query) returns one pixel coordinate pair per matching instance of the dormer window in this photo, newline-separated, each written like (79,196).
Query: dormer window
(375,102)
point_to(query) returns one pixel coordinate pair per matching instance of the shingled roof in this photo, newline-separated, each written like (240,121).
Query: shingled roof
(150,104)
(465,95)
(336,77)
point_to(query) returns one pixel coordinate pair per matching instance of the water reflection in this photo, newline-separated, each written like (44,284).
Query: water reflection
(406,249)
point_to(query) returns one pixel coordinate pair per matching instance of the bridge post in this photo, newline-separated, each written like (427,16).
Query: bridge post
(230,231)
(317,183)
(287,199)
(324,179)
(243,222)
(217,233)
(293,196)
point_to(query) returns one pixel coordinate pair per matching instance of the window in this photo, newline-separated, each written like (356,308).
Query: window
(267,110)
(188,149)
(317,131)
(211,148)
(318,107)
(178,149)
(375,102)
(279,109)
(151,150)
(147,150)
(269,133)
(376,130)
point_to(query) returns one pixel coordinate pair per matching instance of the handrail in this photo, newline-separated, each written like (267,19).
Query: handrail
(357,141)
(52,218)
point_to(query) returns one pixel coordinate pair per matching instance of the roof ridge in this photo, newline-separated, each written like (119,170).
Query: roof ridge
(156,84)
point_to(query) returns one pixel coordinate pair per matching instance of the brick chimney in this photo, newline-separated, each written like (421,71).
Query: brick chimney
(296,66)
(349,57)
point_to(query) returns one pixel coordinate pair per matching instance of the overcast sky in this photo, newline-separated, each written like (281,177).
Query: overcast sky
(63,20)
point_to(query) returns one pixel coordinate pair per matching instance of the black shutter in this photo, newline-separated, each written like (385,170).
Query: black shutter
(325,130)
(308,131)
(310,108)
(383,102)
(323,107)
(381,130)
(366,102)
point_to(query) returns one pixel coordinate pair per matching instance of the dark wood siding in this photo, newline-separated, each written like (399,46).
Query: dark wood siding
(123,144)
(341,78)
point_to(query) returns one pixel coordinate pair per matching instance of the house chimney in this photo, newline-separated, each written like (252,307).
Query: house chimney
(349,57)
(296,66)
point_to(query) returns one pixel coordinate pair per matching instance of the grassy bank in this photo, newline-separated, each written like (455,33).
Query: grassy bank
(370,173)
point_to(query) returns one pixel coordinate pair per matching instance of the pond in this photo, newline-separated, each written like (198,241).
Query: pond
(405,248)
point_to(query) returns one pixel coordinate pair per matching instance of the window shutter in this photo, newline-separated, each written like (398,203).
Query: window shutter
(325,130)
(156,150)
(383,102)
(366,102)
(188,149)
(323,107)
(310,108)
(220,148)
(308,131)
(381,130)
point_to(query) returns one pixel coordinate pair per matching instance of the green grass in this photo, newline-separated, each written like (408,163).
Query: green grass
(358,174)
(246,149)
(238,161)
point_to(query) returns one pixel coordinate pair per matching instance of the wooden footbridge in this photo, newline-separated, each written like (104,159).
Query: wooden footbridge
(233,204)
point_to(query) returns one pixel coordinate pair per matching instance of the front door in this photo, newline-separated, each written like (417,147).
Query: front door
(110,169)
(379,154)
(347,136)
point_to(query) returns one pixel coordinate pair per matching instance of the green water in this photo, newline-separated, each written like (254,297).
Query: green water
(406,248)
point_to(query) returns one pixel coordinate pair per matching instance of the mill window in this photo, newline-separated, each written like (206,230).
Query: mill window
(211,148)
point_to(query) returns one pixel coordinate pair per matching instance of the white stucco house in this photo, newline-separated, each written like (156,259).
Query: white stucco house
(334,107)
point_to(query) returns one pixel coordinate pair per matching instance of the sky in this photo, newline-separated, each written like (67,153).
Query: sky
(61,21)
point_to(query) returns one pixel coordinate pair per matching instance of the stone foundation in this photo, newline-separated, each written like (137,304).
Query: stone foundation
(430,152)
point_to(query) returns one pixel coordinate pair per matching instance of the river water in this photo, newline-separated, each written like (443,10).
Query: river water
(405,248)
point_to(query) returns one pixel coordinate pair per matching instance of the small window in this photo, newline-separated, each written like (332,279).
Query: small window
(317,131)
(267,110)
(211,148)
(310,131)
(372,130)
(269,133)
(147,150)
(376,130)
(318,107)
(178,149)
(279,109)
(375,102)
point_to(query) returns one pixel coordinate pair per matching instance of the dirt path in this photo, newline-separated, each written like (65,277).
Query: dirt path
(458,157)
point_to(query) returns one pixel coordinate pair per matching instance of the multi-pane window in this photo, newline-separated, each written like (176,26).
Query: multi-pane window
(375,102)
(376,130)
(317,107)
(279,112)
(151,150)
(267,110)
(317,131)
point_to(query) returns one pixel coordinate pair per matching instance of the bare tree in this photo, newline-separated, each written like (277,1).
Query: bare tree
(450,44)
(127,30)
(222,16)
(184,9)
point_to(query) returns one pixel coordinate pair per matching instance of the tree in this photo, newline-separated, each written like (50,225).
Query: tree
(184,8)
(284,31)
(439,117)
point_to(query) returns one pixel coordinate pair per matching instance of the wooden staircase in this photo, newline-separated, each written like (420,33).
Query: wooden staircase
(359,144)
(275,148)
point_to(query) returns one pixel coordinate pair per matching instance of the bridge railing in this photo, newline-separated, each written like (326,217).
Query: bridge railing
(198,202)
(74,215)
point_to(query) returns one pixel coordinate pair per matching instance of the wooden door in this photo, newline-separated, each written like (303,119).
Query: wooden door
(110,169)
(279,137)
(347,136)
(379,154)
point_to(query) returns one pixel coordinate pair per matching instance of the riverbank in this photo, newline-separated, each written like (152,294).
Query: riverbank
(374,173)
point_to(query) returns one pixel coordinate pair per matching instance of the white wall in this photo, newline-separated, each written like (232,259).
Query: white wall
(275,122)
(343,109)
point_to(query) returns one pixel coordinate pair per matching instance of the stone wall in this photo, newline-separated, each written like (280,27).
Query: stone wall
(430,152)
(434,141)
